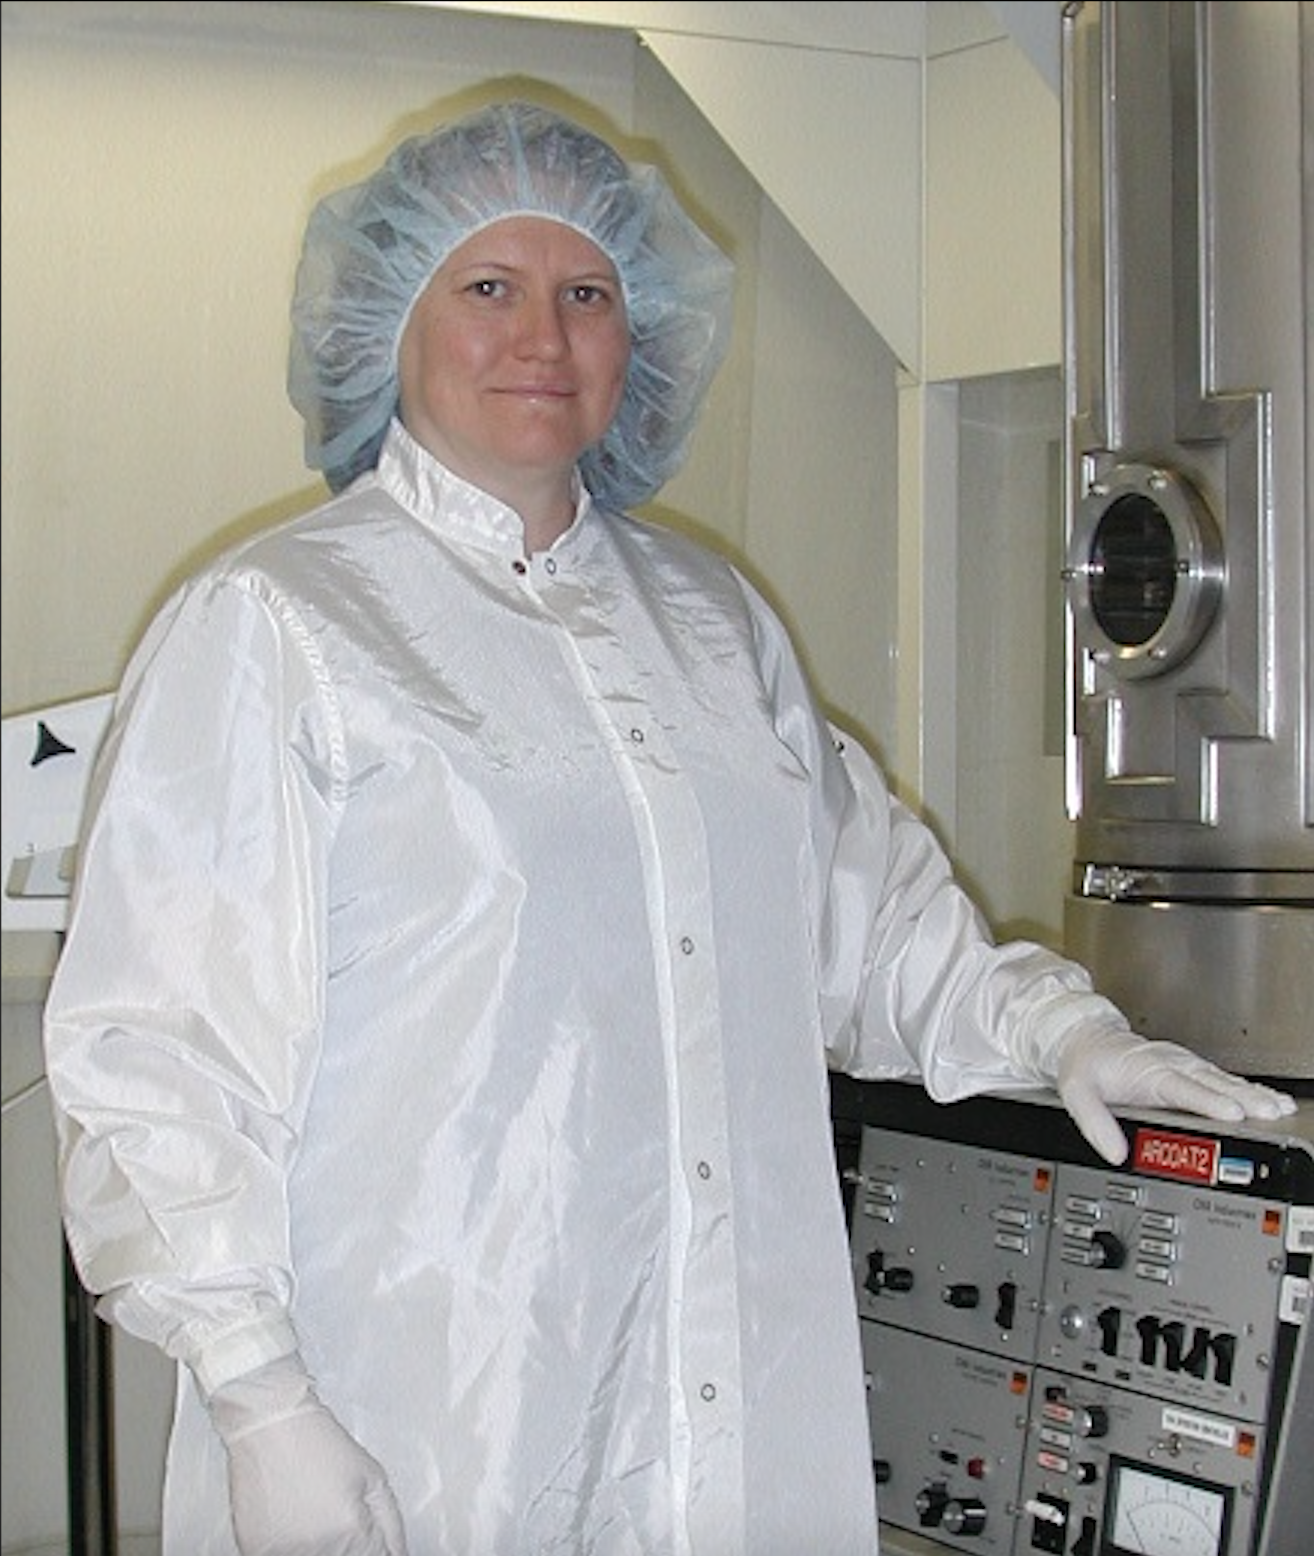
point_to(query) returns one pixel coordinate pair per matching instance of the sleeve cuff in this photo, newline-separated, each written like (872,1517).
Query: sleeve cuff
(241,1351)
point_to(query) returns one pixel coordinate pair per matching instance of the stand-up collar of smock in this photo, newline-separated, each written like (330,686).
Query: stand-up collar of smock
(464,513)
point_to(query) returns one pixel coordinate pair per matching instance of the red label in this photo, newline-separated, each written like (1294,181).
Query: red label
(1192,1158)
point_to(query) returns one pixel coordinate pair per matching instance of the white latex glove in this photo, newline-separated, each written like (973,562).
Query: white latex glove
(299,1483)
(1101,1068)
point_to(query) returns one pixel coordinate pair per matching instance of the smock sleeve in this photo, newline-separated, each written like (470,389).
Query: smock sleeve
(183,1023)
(911,983)
(923,989)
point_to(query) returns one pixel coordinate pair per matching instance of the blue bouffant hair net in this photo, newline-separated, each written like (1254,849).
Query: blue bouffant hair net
(370,250)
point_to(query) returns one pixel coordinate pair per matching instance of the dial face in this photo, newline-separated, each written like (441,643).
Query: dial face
(1158,1515)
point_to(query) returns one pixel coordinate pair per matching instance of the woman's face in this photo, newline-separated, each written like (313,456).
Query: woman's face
(513,359)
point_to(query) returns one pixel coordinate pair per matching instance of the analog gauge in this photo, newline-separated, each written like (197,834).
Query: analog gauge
(1154,1514)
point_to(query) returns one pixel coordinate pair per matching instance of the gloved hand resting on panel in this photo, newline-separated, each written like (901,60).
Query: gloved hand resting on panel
(300,1484)
(1097,1069)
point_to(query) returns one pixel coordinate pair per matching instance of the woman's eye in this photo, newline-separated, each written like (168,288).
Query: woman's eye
(488,287)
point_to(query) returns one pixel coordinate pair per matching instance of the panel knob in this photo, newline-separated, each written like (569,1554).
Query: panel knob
(1107,1251)
(964,1515)
(930,1504)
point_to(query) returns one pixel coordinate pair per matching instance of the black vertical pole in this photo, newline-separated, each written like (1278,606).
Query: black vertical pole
(89,1422)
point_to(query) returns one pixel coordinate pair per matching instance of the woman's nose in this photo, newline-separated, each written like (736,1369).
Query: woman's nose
(542,328)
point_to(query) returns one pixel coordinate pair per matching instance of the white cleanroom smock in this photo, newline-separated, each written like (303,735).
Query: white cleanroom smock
(457,949)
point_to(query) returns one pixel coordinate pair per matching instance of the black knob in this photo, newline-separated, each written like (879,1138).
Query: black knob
(880,1469)
(964,1515)
(962,1295)
(1090,1421)
(1107,1251)
(930,1504)
(898,1280)
(875,1278)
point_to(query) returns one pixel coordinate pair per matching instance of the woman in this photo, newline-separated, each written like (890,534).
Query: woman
(471,900)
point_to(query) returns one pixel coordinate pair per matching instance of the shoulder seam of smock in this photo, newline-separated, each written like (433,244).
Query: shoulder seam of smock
(261,586)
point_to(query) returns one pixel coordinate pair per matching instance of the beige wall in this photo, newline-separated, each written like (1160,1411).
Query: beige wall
(156,182)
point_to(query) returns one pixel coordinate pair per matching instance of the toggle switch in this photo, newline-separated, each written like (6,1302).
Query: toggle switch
(1110,1321)
(1045,1512)
(1084,1545)
(1173,1334)
(1224,1349)
(1196,1360)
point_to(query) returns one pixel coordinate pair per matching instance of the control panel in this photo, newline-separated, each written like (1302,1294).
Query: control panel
(1071,1358)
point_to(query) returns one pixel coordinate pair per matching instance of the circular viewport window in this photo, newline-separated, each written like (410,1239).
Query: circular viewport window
(1144,571)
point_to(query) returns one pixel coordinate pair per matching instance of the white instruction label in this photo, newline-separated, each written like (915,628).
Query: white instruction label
(1205,1429)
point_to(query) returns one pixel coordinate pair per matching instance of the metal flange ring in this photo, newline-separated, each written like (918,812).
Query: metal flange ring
(1145,570)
